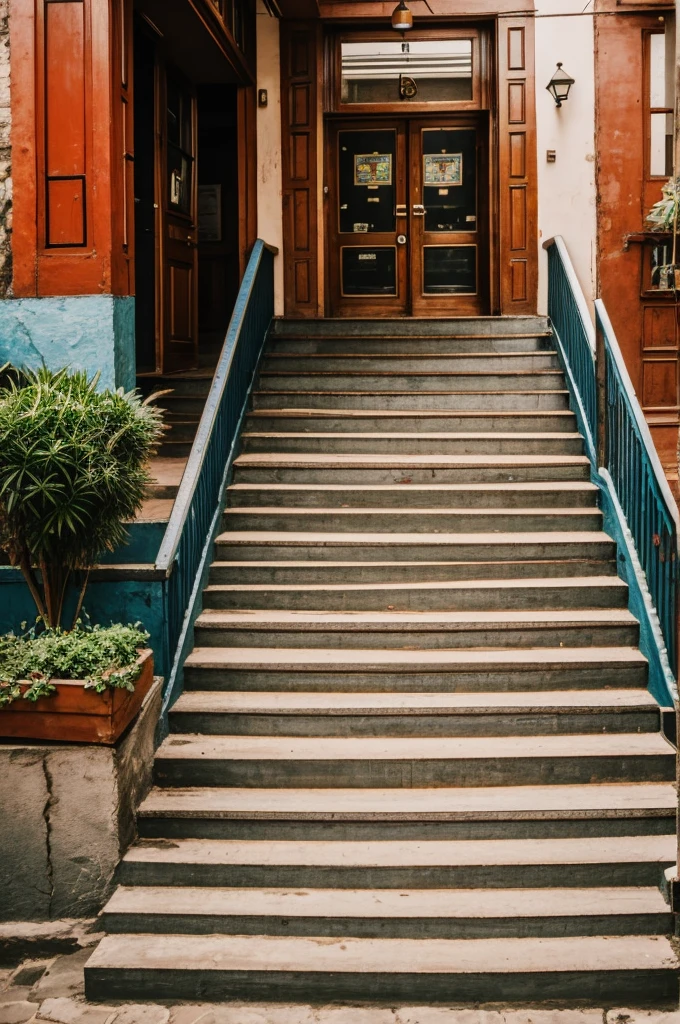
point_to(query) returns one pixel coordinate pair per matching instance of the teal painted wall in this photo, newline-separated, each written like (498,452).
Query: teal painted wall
(85,332)
(105,602)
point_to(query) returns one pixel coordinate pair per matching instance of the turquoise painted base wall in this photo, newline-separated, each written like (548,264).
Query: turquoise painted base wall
(105,602)
(112,600)
(85,332)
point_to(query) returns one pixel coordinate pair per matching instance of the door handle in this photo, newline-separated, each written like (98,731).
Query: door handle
(401,210)
(418,210)
(401,239)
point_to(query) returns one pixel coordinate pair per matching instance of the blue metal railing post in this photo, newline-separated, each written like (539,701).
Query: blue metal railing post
(639,509)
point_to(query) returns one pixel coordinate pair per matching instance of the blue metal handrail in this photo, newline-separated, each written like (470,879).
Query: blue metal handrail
(184,553)
(629,456)
(571,322)
(639,509)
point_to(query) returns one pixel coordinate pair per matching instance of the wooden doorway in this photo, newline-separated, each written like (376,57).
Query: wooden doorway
(194,207)
(408,217)
(179,347)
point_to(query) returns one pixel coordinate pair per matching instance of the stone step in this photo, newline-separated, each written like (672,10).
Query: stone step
(182,406)
(625,970)
(535,593)
(433,671)
(367,468)
(375,864)
(596,814)
(548,494)
(174,449)
(180,428)
(405,345)
(414,714)
(414,762)
(436,444)
(369,382)
(435,630)
(282,519)
(446,360)
(509,399)
(189,383)
(376,420)
(398,573)
(380,547)
(460,327)
(389,913)
(165,475)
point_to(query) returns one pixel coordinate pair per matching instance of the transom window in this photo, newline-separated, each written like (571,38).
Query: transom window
(426,70)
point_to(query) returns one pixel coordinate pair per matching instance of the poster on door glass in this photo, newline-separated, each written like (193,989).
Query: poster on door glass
(373,169)
(443,169)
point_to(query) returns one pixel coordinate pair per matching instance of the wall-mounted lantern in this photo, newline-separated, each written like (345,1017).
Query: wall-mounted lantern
(559,85)
(402,17)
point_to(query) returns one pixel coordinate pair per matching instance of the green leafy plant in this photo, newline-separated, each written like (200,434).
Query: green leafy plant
(72,471)
(663,216)
(104,657)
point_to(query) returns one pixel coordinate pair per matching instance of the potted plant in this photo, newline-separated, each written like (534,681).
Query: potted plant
(663,217)
(85,684)
(72,472)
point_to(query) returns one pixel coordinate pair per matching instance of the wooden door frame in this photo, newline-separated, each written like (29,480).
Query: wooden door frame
(472,118)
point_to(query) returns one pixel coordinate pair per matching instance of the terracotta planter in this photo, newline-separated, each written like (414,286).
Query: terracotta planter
(76,715)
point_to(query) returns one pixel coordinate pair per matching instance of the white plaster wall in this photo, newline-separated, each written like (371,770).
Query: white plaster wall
(269,186)
(566,189)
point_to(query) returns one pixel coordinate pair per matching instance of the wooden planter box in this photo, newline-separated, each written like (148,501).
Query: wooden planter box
(76,715)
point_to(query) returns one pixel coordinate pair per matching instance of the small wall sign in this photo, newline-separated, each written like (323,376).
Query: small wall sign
(210,213)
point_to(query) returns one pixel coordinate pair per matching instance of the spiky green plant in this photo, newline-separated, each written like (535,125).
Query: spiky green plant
(72,471)
(663,216)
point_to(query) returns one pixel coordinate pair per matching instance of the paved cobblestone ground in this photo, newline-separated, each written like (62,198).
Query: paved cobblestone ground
(51,992)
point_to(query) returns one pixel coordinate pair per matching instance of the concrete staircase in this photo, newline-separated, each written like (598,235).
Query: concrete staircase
(415,759)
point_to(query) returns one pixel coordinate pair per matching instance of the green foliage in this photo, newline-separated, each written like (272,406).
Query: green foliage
(72,471)
(104,657)
(663,216)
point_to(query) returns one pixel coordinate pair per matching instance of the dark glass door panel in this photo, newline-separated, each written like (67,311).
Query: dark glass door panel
(449,269)
(369,271)
(450,179)
(367,181)
(447,240)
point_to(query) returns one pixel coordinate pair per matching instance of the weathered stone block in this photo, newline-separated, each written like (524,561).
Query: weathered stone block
(68,815)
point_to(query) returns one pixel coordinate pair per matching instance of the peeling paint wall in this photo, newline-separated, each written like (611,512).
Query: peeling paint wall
(86,332)
(5,157)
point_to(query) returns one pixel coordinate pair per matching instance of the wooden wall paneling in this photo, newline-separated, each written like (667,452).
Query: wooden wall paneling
(122,149)
(62,139)
(299,156)
(517,174)
(246,114)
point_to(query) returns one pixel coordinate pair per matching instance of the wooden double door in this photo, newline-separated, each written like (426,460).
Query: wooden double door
(407,223)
